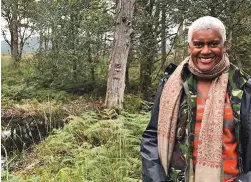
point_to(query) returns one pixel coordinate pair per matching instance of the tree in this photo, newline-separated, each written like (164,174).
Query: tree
(17,15)
(119,54)
(73,39)
(148,44)
(154,22)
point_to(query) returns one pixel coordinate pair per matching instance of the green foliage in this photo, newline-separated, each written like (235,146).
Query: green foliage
(50,72)
(19,85)
(23,91)
(75,51)
(5,176)
(89,148)
(135,104)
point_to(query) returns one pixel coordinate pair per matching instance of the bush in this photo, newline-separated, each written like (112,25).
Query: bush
(56,70)
(135,104)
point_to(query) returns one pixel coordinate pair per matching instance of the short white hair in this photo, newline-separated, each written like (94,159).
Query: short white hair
(204,23)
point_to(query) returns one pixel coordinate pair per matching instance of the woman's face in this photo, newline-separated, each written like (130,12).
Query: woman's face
(206,49)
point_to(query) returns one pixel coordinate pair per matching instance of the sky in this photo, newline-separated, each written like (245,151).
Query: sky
(3,24)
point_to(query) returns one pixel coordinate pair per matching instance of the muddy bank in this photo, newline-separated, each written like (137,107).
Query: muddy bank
(21,128)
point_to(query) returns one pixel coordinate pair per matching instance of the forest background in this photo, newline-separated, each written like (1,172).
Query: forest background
(57,120)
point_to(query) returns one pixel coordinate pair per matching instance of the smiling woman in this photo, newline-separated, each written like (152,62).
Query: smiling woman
(198,120)
(206,49)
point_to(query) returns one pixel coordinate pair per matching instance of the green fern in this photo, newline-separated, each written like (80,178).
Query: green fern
(90,148)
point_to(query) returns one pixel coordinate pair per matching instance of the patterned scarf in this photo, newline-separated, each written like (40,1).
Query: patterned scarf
(209,157)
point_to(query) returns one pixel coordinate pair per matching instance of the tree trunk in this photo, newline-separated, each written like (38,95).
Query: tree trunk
(130,57)
(148,47)
(119,54)
(72,44)
(89,58)
(14,34)
(41,35)
(163,32)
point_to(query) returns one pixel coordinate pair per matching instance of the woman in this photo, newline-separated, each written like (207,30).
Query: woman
(200,128)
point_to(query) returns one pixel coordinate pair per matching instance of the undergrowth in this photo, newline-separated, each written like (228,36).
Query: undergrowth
(20,86)
(92,147)
(95,146)
(18,89)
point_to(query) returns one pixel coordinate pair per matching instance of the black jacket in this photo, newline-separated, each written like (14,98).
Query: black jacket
(151,166)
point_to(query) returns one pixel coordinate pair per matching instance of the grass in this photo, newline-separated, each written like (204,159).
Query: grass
(5,58)
(92,147)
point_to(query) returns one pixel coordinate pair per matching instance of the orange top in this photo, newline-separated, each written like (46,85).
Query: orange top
(229,154)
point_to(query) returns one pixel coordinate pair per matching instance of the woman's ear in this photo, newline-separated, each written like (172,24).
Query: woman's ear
(188,48)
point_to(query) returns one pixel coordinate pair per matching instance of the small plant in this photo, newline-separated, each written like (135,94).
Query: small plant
(135,104)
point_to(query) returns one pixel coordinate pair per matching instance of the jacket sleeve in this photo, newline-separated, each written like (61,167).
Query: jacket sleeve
(245,133)
(151,166)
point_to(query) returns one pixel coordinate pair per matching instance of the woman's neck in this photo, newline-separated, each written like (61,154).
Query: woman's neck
(203,87)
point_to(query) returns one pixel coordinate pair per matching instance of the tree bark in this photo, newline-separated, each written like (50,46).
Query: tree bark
(119,54)
(130,58)
(14,34)
(72,44)
(163,32)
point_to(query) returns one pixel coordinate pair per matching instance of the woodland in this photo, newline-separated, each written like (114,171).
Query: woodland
(75,108)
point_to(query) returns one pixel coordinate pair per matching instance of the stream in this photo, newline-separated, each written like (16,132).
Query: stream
(19,132)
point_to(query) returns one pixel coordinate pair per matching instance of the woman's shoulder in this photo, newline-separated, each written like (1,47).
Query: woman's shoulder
(238,78)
